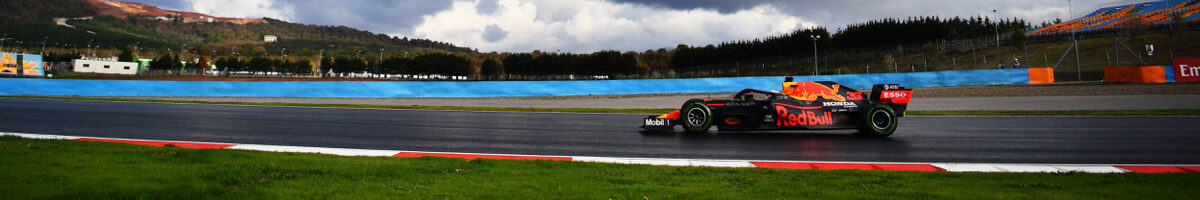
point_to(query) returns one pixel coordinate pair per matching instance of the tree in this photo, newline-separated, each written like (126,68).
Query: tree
(491,67)
(928,51)
(166,62)
(326,65)
(203,65)
(126,55)
(1017,38)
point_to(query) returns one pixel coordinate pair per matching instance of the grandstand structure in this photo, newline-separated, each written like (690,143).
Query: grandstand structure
(1116,15)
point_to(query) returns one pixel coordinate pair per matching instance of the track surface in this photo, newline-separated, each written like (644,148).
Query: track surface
(1118,102)
(1121,140)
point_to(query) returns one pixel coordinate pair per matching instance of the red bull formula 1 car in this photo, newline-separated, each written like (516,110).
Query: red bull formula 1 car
(821,105)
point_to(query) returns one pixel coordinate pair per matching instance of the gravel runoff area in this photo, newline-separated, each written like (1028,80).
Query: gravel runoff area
(1086,96)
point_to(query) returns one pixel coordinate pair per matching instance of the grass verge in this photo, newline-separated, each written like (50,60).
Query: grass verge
(1179,112)
(59,169)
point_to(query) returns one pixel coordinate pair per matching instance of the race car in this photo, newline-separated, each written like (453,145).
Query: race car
(810,105)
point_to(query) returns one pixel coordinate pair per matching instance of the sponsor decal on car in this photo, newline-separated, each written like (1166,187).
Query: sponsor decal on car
(896,96)
(854,96)
(803,117)
(809,91)
(735,103)
(656,122)
(839,103)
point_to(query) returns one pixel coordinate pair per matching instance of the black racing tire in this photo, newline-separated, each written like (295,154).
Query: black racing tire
(696,117)
(879,121)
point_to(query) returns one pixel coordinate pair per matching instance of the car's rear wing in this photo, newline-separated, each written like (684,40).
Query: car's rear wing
(893,95)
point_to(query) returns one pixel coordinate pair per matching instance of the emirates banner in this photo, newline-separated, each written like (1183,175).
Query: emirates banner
(1187,70)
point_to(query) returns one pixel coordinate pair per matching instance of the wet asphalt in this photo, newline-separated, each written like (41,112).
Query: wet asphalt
(1096,140)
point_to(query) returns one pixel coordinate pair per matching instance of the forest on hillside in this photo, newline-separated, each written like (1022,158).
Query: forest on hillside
(877,33)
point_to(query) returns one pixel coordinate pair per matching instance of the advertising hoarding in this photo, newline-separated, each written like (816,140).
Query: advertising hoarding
(32,65)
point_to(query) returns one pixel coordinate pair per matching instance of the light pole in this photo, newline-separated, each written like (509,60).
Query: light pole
(182,58)
(44,45)
(320,63)
(1078,71)
(89,46)
(2,39)
(135,50)
(182,52)
(996,26)
(815,38)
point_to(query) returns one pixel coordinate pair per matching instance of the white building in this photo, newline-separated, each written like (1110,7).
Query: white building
(104,66)
(270,38)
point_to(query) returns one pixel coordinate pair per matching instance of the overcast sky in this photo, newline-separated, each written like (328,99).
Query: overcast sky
(593,25)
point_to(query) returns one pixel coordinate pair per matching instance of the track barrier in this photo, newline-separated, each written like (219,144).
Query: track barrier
(1043,75)
(1135,74)
(1185,70)
(410,89)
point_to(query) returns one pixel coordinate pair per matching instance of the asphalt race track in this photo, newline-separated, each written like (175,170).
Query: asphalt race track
(1116,140)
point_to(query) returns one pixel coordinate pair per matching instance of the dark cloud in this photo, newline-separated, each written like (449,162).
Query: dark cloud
(487,7)
(493,33)
(382,16)
(838,13)
(722,6)
(401,17)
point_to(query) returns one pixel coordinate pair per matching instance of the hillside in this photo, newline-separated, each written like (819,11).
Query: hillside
(115,25)
(122,9)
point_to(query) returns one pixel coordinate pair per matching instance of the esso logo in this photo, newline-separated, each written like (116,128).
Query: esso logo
(894,95)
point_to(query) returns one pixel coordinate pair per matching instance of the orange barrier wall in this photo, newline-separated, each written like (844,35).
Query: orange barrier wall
(1043,75)
(1142,74)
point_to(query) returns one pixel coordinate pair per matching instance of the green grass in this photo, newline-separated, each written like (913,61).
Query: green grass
(1179,112)
(58,169)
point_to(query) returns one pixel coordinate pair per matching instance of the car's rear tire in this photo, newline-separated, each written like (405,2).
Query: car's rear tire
(879,121)
(696,117)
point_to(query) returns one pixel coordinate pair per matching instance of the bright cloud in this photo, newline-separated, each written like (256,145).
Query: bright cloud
(590,25)
(242,8)
(625,25)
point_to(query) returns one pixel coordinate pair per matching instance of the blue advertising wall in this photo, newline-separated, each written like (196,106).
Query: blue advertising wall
(398,89)
(1170,73)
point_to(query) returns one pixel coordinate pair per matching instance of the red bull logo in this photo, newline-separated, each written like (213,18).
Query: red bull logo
(802,118)
(854,96)
(809,91)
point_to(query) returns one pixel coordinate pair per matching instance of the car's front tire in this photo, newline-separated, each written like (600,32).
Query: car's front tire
(696,117)
(879,121)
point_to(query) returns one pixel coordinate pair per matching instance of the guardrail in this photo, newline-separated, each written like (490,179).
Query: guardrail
(407,89)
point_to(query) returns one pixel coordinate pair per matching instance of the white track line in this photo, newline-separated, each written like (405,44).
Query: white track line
(321,150)
(950,167)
